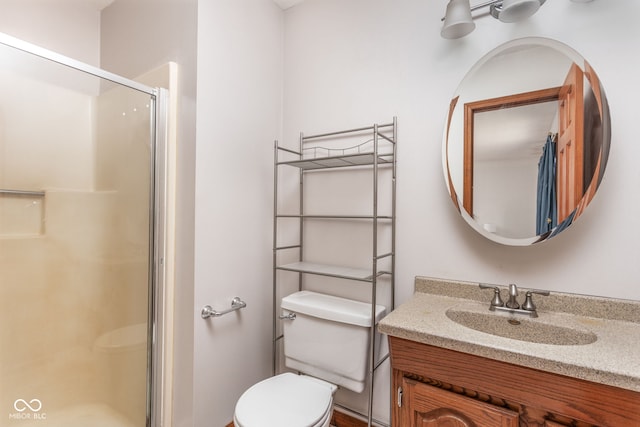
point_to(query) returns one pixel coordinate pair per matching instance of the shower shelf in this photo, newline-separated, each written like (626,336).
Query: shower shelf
(363,159)
(360,274)
(379,150)
(28,193)
(380,217)
(341,150)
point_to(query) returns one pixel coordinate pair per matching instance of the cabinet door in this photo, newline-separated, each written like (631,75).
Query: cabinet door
(427,406)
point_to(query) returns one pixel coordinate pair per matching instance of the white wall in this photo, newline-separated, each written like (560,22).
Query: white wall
(68,27)
(361,61)
(353,63)
(239,115)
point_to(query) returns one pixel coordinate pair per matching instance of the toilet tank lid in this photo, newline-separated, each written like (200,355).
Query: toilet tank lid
(332,308)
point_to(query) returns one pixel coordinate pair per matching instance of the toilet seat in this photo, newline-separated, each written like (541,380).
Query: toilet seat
(286,400)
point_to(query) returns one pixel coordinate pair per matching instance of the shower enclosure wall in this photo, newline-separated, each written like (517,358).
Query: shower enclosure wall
(80,164)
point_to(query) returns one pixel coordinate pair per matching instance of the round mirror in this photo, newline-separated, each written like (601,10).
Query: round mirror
(526,141)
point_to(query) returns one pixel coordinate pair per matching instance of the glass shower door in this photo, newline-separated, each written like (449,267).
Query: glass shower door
(76,226)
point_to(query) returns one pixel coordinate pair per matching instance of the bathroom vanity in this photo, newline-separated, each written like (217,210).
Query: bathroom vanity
(453,373)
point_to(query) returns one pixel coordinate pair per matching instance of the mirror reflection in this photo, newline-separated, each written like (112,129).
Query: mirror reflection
(526,142)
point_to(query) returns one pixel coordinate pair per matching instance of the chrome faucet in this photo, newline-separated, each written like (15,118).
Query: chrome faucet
(513,294)
(512,306)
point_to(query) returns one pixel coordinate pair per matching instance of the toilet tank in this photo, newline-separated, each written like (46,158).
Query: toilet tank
(329,338)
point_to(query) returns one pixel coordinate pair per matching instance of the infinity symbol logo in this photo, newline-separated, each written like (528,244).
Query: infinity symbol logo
(21,405)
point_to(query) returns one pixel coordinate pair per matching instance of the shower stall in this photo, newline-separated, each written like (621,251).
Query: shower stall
(81,212)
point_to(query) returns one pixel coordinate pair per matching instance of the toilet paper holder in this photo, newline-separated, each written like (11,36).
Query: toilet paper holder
(208,311)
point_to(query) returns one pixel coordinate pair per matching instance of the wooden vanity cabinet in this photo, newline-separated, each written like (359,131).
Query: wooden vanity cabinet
(436,387)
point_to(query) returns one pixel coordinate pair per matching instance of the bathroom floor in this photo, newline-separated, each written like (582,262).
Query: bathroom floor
(94,415)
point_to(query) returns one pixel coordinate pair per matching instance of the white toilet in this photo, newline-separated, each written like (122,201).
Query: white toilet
(328,341)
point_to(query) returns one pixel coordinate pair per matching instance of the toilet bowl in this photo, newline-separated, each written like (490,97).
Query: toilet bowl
(326,339)
(286,400)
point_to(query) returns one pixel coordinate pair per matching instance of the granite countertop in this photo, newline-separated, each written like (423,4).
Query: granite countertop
(613,359)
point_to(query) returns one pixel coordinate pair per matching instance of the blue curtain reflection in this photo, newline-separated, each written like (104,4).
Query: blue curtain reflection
(546,215)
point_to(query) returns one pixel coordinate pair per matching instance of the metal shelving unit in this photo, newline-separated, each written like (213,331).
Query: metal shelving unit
(376,153)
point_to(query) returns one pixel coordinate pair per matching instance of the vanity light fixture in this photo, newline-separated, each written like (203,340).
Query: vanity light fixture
(458,21)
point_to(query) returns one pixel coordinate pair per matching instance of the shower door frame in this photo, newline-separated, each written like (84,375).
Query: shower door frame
(156,397)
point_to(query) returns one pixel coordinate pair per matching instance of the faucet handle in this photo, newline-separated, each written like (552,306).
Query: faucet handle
(497,300)
(528,302)
(538,291)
